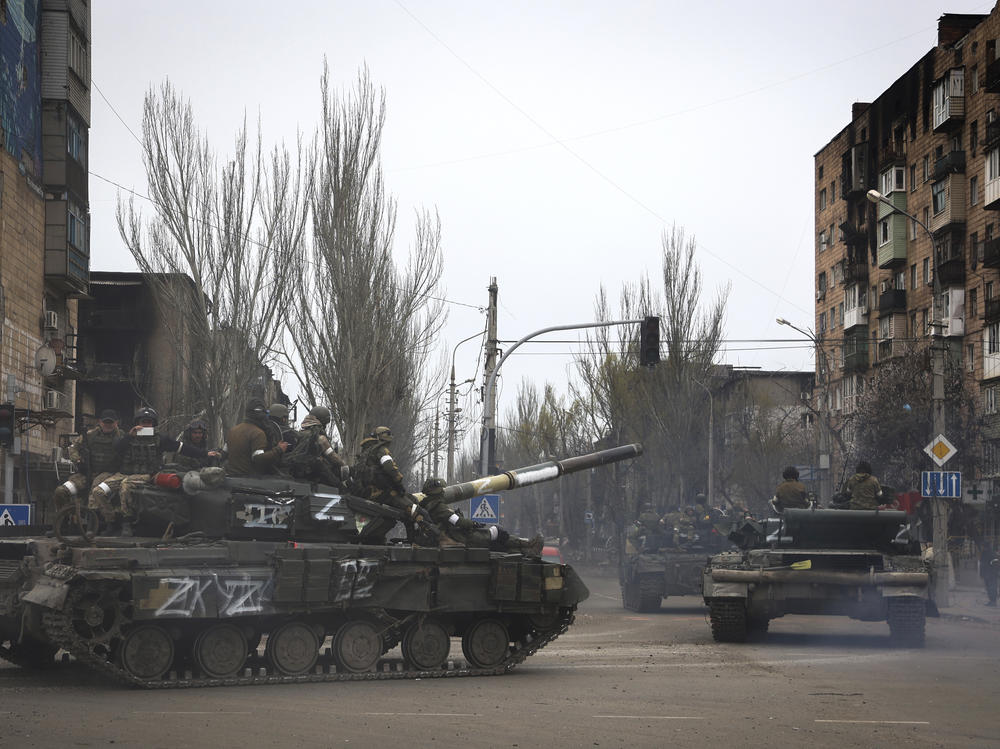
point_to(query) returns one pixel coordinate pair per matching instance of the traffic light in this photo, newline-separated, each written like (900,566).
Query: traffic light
(649,341)
(7,425)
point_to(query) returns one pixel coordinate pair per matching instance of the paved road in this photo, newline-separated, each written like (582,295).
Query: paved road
(616,679)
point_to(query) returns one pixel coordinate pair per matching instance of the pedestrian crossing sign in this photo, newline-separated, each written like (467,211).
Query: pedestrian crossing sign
(485,509)
(15,515)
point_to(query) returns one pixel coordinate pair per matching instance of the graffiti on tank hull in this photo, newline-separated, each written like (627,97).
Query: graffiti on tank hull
(210,595)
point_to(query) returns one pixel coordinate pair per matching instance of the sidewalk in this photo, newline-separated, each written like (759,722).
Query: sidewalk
(967,603)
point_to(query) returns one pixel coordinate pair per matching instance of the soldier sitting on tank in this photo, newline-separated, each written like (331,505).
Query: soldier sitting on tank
(95,457)
(791,492)
(195,434)
(278,428)
(650,528)
(141,452)
(454,529)
(250,451)
(863,488)
(313,458)
(680,526)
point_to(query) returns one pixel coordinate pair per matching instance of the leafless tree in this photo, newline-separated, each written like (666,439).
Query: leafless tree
(362,327)
(230,226)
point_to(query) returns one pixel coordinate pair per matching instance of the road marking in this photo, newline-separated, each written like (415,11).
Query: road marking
(651,717)
(426,715)
(189,712)
(637,618)
(880,722)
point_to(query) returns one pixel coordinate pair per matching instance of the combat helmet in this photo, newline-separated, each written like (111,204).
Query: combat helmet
(147,413)
(321,414)
(382,433)
(278,411)
(256,409)
(433,485)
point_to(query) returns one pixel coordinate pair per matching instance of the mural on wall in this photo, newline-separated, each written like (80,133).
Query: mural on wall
(20,82)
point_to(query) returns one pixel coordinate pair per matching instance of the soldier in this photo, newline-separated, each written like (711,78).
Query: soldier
(650,527)
(278,416)
(864,489)
(377,476)
(313,458)
(95,456)
(141,453)
(196,435)
(455,528)
(250,450)
(791,492)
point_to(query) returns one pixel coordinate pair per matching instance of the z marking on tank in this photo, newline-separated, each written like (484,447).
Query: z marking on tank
(324,514)
(264,516)
(232,596)
(359,575)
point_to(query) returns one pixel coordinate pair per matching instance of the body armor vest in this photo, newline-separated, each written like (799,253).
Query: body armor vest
(142,456)
(101,452)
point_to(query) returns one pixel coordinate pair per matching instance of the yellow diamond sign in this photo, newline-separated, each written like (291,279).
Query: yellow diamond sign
(940,450)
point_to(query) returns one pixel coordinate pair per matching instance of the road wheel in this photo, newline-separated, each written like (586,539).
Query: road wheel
(650,593)
(220,651)
(357,646)
(426,645)
(147,652)
(907,617)
(486,643)
(292,648)
(729,619)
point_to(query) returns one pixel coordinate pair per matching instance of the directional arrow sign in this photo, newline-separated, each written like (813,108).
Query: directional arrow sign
(940,450)
(945,484)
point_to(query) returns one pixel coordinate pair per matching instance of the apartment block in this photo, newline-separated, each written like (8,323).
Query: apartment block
(44,229)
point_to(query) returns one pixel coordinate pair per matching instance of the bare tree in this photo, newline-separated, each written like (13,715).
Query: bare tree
(230,228)
(362,327)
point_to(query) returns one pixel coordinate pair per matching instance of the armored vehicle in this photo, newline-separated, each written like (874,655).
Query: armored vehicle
(269,580)
(857,563)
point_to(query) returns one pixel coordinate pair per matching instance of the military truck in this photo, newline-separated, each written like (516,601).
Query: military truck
(858,563)
(216,572)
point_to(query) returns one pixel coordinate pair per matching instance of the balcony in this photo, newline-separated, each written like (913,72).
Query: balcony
(105,372)
(892,300)
(950,163)
(991,253)
(949,206)
(992,82)
(855,316)
(991,362)
(854,236)
(991,310)
(852,173)
(948,96)
(991,194)
(855,271)
(890,348)
(856,361)
(992,134)
(891,154)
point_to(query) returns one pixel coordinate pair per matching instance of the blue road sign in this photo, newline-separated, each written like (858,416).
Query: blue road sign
(485,509)
(947,484)
(15,515)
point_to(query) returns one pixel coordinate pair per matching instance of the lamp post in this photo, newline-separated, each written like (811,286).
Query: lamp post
(453,407)
(826,487)
(711,438)
(940,507)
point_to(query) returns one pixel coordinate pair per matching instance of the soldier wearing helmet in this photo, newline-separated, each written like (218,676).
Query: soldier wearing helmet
(278,428)
(376,475)
(96,460)
(251,452)
(196,435)
(314,458)
(141,452)
(791,492)
(456,529)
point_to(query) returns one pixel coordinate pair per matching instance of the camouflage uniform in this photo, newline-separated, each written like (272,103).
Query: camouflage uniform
(651,528)
(313,458)
(378,478)
(142,458)
(790,493)
(94,452)
(865,491)
(187,462)
(250,450)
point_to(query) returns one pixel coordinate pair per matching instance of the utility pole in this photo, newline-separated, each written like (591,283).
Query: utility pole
(488,443)
(8,453)
(452,404)
(437,437)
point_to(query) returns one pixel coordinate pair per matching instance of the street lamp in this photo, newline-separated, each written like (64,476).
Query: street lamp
(940,530)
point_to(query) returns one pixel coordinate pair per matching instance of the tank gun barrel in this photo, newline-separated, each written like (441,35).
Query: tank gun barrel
(536,474)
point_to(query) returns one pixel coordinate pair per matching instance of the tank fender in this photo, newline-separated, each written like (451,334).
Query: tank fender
(725,590)
(47,593)
(903,591)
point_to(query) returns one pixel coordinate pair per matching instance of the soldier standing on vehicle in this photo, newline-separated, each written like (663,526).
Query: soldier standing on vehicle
(864,489)
(791,492)
(250,451)
(95,457)
(313,458)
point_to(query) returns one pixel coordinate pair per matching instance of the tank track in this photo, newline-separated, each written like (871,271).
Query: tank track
(907,618)
(58,628)
(728,617)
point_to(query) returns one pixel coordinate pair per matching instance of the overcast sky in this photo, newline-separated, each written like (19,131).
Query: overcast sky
(557,140)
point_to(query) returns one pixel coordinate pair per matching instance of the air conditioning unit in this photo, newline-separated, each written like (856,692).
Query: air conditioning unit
(51,320)
(51,400)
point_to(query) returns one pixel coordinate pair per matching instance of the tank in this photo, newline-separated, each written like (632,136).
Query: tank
(269,580)
(655,569)
(857,563)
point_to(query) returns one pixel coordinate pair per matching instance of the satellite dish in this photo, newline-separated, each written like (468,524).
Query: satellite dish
(45,360)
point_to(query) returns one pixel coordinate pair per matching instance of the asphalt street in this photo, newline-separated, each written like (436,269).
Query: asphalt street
(615,679)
